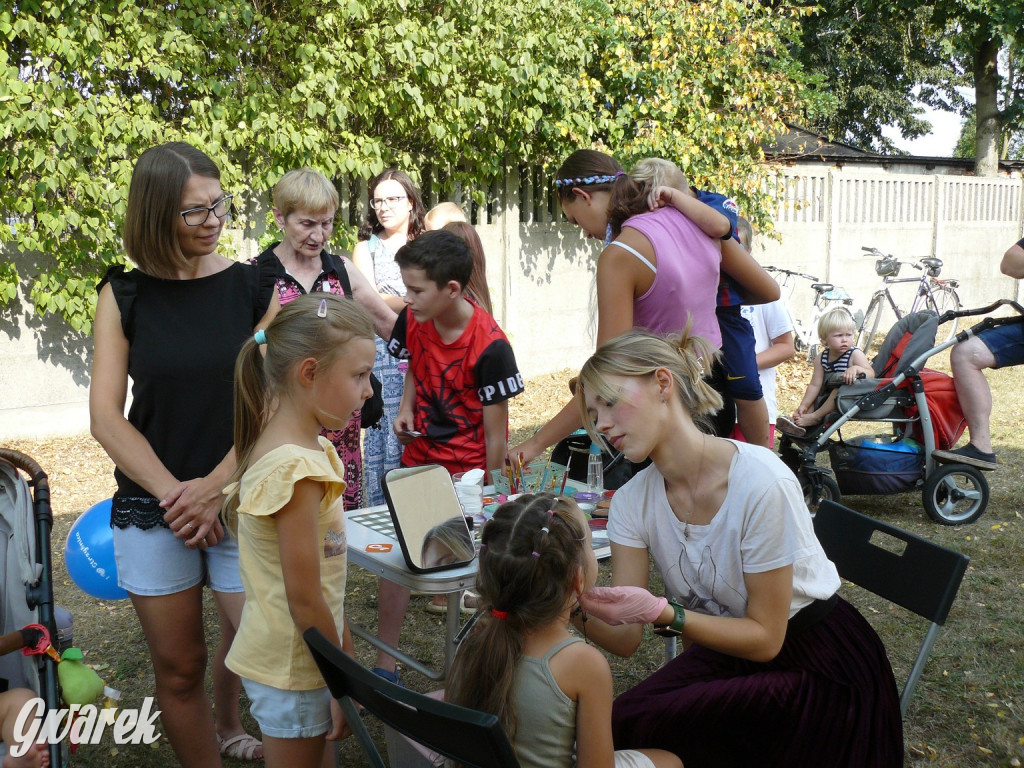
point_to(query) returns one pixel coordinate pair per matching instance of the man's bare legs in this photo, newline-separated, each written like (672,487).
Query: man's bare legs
(968,360)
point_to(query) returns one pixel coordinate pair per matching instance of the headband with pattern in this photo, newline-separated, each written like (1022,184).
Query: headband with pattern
(586,181)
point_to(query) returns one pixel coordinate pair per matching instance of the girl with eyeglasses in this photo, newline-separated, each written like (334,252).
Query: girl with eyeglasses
(173,325)
(393,218)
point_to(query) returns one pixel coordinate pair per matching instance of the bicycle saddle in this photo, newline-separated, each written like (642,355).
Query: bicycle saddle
(822,287)
(932,263)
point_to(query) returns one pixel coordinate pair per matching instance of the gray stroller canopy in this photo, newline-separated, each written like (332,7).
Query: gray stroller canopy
(923,326)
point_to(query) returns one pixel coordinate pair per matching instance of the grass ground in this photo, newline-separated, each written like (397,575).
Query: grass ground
(969,705)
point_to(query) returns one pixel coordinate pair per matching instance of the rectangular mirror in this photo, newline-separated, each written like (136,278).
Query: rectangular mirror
(429,523)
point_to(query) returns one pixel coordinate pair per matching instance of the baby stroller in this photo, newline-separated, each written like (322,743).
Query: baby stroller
(26,591)
(923,413)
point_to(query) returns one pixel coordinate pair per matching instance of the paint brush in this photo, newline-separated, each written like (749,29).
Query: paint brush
(568,463)
(542,481)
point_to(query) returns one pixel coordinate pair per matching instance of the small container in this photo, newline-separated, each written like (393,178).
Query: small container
(595,469)
(587,501)
(469,487)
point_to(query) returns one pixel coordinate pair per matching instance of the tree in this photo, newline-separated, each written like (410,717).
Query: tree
(702,83)
(974,32)
(464,86)
(868,59)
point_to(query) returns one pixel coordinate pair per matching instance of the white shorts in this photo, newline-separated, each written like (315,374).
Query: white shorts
(630,758)
(285,714)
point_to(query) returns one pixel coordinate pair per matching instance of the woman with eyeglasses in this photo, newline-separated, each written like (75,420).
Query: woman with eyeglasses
(394,217)
(173,325)
(305,202)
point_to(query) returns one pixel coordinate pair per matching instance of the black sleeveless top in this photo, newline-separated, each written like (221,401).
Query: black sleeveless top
(183,336)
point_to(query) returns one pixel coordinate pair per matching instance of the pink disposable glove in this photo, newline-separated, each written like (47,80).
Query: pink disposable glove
(623,605)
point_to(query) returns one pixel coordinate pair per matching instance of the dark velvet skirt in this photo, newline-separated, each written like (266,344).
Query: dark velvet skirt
(828,699)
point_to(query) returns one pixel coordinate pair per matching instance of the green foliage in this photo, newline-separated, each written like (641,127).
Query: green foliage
(869,60)
(703,84)
(457,89)
(974,32)
(965,144)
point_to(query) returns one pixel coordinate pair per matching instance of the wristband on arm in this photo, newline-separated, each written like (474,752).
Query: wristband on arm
(675,627)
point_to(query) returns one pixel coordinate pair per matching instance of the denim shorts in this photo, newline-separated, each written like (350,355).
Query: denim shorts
(289,714)
(1006,343)
(153,562)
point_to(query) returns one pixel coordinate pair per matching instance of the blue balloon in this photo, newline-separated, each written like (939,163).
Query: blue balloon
(89,554)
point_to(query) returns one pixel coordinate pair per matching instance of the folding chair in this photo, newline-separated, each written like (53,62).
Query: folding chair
(465,735)
(910,571)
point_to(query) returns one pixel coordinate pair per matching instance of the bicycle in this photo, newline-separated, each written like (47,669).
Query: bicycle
(933,294)
(826,296)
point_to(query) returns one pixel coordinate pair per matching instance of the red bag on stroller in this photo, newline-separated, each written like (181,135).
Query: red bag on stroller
(908,339)
(948,421)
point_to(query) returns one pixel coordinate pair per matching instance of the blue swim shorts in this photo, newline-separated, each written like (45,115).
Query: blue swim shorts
(739,360)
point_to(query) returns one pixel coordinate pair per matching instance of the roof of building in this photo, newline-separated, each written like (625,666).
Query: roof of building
(801,144)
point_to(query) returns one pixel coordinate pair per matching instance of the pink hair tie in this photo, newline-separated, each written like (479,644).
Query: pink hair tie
(535,554)
(501,615)
(551,512)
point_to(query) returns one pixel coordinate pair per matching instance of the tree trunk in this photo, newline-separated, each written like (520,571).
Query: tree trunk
(986,83)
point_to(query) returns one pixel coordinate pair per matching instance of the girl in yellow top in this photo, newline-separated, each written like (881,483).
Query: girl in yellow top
(315,373)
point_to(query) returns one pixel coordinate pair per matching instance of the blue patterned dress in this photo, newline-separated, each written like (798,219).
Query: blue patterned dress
(381,449)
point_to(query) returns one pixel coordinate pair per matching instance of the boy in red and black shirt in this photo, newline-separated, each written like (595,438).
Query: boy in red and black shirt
(462,371)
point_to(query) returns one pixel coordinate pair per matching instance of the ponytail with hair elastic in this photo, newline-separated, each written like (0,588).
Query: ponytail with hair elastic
(316,326)
(531,553)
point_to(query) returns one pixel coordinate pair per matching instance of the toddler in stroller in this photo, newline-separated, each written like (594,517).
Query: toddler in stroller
(924,415)
(836,329)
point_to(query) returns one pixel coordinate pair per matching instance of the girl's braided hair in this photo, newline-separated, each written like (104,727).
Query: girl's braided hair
(531,551)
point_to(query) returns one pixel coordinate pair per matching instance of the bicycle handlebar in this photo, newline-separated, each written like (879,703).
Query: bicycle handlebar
(881,255)
(804,275)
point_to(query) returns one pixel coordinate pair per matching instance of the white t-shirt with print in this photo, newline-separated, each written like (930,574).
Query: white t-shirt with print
(769,321)
(763,524)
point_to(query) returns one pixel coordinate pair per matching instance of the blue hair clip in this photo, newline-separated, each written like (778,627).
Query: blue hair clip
(260,337)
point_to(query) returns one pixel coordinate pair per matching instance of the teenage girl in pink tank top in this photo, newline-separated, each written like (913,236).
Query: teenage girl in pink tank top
(652,272)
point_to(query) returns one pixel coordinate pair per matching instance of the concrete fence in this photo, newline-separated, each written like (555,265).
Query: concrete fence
(541,271)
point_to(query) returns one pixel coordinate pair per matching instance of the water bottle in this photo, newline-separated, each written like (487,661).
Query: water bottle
(595,469)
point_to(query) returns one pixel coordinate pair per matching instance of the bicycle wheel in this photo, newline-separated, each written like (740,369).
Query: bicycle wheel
(944,299)
(869,328)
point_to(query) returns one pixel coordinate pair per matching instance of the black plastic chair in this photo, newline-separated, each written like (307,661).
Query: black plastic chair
(465,735)
(910,571)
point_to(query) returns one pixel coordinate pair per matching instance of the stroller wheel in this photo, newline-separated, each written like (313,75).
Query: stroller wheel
(829,491)
(955,494)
